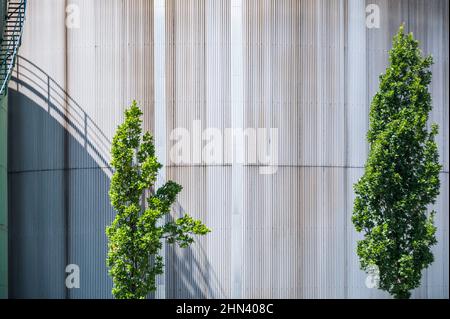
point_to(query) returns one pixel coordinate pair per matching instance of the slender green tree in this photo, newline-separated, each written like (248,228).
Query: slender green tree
(401,177)
(136,234)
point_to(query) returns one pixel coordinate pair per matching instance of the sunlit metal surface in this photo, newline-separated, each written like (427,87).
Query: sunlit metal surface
(310,69)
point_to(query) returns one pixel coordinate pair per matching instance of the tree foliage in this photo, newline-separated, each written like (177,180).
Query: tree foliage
(401,175)
(136,234)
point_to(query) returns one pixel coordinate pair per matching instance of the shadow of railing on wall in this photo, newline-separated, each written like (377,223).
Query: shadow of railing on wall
(34,82)
(62,107)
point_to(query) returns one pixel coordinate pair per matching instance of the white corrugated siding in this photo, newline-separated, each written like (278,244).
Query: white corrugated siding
(198,88)
(311,73)
(310,69)
(91,74)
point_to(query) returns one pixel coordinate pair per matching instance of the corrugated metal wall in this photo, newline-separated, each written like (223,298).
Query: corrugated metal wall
(309,68)
(3,197)
(198,88)
(67,97)
(3,179)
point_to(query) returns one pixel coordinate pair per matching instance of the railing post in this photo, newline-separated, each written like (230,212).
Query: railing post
(48,94)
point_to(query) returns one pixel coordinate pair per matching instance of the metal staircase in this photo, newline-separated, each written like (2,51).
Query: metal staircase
(11,40)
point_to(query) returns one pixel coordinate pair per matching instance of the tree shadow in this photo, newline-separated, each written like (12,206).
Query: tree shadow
(59,177)
(189,275)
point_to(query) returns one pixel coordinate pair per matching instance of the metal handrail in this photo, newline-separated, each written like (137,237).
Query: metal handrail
(17,8)
(13,40)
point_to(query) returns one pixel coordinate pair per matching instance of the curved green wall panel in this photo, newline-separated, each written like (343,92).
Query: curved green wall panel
(3,180)
(3,198)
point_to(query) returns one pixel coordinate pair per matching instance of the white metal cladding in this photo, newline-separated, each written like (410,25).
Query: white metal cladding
(160,109)
(198,88)
(68,95)
(309,68)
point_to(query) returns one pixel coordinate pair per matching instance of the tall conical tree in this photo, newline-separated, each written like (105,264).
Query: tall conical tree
(401,175)
(136,234)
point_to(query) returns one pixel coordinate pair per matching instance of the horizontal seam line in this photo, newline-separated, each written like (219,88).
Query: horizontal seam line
(58,169)
(187,166)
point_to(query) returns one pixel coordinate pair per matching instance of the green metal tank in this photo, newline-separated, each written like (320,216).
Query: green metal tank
(3,178)
(3,197)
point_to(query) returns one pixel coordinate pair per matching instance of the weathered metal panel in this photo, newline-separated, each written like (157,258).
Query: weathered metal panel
(198,88)
(109,63)
(68,96)
(37,250)
(203,270)
(309,68)
(36,236)
(3,197)
(88,242)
